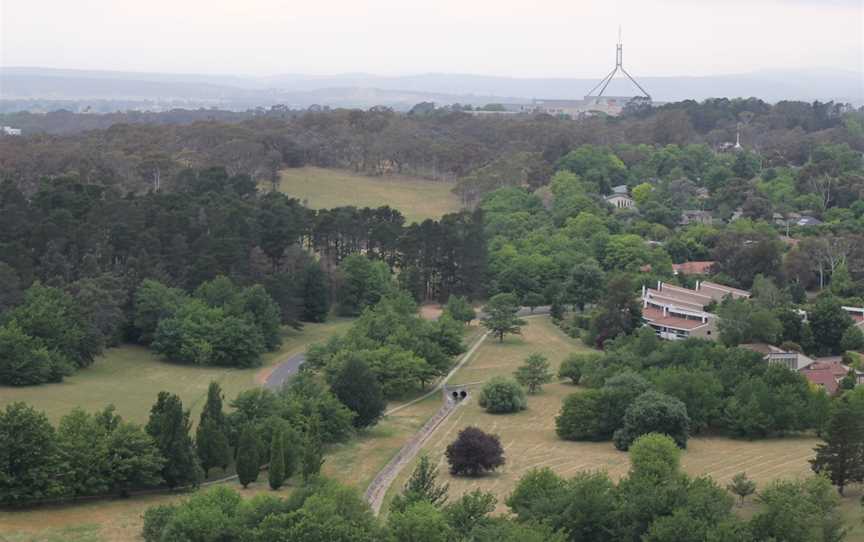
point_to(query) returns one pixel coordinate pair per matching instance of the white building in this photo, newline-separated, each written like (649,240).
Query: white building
(10,131)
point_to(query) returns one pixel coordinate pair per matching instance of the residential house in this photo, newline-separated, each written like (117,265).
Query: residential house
(857,314)
(808,221)
(677,313)
(620,198)
(775,355)
(828,374)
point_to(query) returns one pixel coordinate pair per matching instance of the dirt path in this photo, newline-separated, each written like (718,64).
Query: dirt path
(384,479)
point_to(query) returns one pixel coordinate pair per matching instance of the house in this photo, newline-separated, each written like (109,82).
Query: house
(857,314)
(775,355)
(620,198)
(828,374)
(678,313)
(692,268)
(10,131)
(696,216)
(807,221)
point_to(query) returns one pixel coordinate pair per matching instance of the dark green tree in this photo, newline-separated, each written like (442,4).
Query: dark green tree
(134,460)
(828,322)
(358,389)
(29,465)
(312,455)
(585,284)
(211,437)
(459,309)
(316,294)
(169,426)
(841,457)
(276,469)
(654,412)
(248,461)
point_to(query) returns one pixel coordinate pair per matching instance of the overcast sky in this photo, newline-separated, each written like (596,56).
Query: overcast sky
(526,38)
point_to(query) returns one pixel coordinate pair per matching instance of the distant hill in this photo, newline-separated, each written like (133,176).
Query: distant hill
(364,90)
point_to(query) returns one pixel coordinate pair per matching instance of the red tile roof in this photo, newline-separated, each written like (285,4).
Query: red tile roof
(822,378)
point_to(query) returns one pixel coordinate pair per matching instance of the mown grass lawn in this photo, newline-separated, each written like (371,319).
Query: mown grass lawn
(130,377)
(417,199)
(529,437)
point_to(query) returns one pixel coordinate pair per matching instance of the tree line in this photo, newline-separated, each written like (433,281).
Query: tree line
(656,501)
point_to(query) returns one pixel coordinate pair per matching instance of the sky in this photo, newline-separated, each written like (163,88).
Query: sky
(526,38)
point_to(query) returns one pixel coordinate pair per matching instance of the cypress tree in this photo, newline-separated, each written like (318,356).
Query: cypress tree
(276,472)
(312,456)
(212,446)
(291,450)
(169,426)
(248,462)
(316,294)
(211,438)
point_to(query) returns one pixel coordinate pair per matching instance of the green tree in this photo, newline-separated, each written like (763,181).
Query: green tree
(291,443)
(618,313)
(29,466)
(852,339)
(25,361)
(419,522)
(582,417)
(585,284)
(316,294)
(654,456)
(841,457)
(501,395)
(654,412)
(312,456)
(828,322)
(534,373)
(741,486)
(134,460)
(364,283)
(700,390)
(741,322)
(470,511)
(501,316)
(256,305)
(211,438)
(82,444)
(276,469)
(459,309)
(357,388)
(574,364)
(248,460)
(169,426)
(798,511)
(421,486)
(153,302)
(841,281)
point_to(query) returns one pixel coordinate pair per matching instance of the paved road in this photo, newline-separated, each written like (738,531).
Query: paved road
(284,371)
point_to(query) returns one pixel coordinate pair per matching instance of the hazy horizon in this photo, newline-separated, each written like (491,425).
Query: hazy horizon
(548,39)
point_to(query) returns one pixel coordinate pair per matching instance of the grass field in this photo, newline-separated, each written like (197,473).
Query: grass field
(130,377)
(325,188)
(529,437)
(354,463)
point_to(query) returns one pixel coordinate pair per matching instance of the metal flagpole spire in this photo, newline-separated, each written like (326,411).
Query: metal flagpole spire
(619,65)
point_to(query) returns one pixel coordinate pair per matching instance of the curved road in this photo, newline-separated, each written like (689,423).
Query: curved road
(286,369)
(282,372)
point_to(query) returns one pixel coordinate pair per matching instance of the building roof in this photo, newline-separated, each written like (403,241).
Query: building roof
(693,268)
(655,316)
(808,221)
(714,287)
(822,378)
(621,189)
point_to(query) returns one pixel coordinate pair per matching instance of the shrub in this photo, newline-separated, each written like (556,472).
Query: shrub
(474,452)
(502,395)
(654,412)
(574,364)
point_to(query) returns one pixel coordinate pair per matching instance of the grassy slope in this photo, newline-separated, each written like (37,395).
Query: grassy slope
(131,376)
(325,188)
(530,441)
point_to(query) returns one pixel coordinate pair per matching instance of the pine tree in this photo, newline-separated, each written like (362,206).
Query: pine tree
(169,426)
(841,458)
(741,486)
(211,440)
(248,462)
(316,294)
(276,471)
(312,456)
(358,388)
(421,486)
